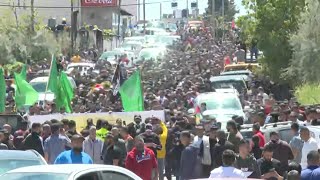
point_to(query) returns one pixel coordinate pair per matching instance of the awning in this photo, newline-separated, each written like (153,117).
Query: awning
(125,13)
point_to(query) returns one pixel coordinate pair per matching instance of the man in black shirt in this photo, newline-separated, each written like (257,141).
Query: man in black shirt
(222,145)
(151,139)
(269,167)
(111,154)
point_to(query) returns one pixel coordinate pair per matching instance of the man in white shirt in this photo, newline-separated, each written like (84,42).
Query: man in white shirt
(227,170)
(310,144)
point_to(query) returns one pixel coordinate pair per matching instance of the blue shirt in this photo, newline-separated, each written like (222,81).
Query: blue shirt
(54,145)
(69,157)
(307,173)
(315,174)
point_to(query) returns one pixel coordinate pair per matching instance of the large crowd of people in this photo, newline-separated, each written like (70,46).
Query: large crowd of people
(177,146)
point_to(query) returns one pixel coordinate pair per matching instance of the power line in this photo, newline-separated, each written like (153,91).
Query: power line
(68,7)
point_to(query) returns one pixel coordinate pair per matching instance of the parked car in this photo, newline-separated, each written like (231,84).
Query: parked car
(13,159)
(283,128)
(40,83)
(82,68)
(221,106)
(71,172)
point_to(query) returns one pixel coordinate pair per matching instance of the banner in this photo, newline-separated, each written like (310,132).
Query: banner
(98,3)
(81,119)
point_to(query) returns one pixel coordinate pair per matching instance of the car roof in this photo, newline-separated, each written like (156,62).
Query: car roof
(81,64)
(215,94)
(17,154)
(228,78)
(45,79)
(63,168)
(235,72)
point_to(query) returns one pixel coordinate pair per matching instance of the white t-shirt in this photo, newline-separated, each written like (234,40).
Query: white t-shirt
(310,145)
(227,172)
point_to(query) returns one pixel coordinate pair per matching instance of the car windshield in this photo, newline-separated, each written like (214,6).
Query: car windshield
(239,85)
(35,176)
(216,103)
(147,54)
(39,86)
(7,165)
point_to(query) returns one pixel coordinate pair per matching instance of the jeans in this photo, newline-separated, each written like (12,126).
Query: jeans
(161,168)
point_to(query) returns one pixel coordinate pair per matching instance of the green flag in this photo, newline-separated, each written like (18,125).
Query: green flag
(131,93)
(25,95)
(65,93)
(53,77)
(23,72)
(2,92)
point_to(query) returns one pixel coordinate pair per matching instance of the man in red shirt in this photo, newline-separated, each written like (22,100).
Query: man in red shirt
(256,131)
(142,161)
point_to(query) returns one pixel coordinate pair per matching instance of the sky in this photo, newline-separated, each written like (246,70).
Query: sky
(153,10)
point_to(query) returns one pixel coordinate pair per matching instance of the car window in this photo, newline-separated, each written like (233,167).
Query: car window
(89,176)
(35,176)
(224,103)
(7,165)
(111,175)
(285,135)
(39,86)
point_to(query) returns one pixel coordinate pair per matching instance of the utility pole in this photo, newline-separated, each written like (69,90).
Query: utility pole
(222,19)
(160,11)
(72,28)
(144,16)
(138,10)
(119,20)
(32,15)
(213,18)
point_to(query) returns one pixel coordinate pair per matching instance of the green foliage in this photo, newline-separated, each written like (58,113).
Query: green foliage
(229,9)
(305,62)
(20,43)
(275,22)
(108,34)
(308,94)
(247,24)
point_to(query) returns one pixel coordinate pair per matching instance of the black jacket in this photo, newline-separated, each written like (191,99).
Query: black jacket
(34,141)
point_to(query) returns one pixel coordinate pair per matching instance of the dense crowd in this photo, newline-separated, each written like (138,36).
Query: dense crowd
(178,146)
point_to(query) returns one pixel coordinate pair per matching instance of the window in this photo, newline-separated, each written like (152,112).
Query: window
(111,175)
(89,176)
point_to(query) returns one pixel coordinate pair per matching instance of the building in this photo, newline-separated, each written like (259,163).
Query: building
(103,13)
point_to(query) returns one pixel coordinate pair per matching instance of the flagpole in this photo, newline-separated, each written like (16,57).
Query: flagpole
(45,93)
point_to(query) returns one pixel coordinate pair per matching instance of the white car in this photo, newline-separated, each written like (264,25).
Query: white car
(71,172)
(221,106)
(140,39)
(40,84)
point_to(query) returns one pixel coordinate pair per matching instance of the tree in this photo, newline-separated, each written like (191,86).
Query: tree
(276,21)
(305,62)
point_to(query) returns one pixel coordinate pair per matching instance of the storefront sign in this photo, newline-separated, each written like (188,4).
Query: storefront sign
(98,3)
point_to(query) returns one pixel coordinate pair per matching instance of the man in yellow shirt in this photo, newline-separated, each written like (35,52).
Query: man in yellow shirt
(103,131)
(162,131)
(76,58)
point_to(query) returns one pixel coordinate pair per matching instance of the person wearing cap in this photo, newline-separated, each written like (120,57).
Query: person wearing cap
(139,126)
(75,155)
(151,139)
(142,161)
(111,153)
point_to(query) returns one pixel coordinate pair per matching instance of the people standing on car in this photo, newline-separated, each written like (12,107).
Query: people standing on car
(34,140)
(56,143)
(281,151)
(256,131)
(234,135)
(312,172)
(76,154)
(270,168)
(190,164)
(296,143)
(206,151)
(142,161)
(310,144)
(93,146)
(227,170)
